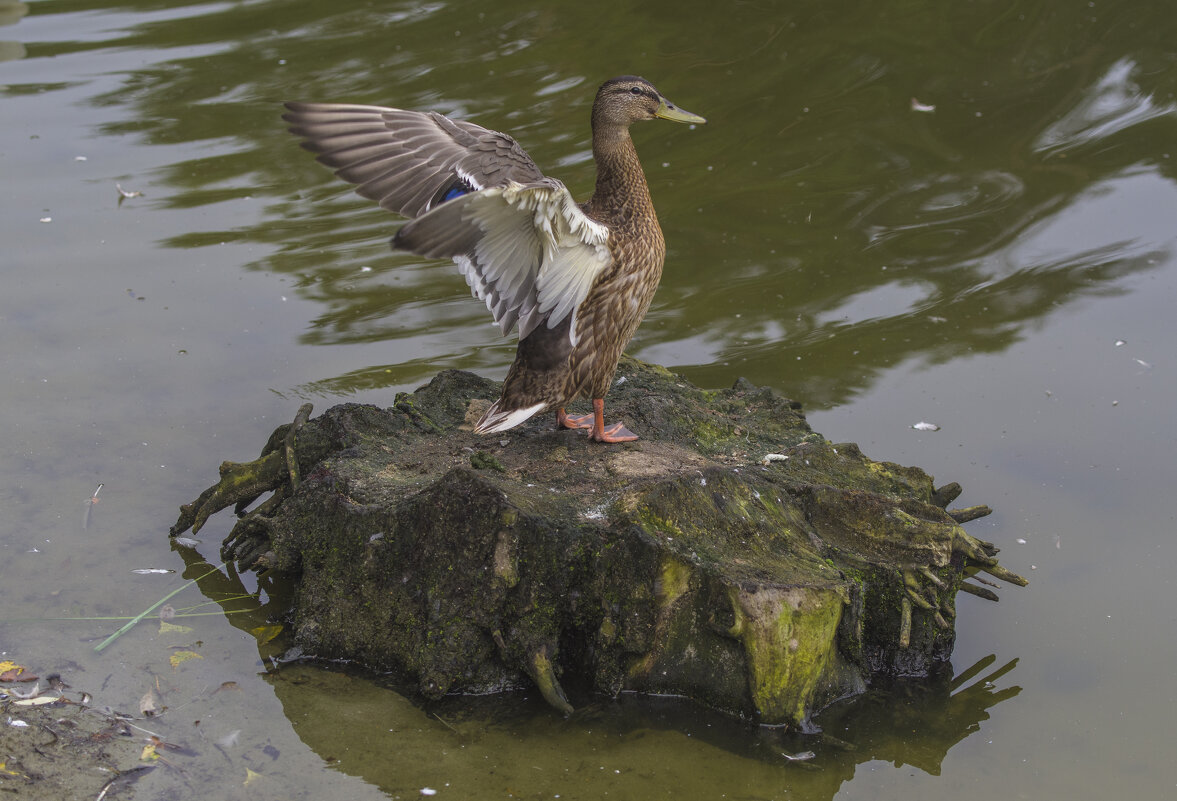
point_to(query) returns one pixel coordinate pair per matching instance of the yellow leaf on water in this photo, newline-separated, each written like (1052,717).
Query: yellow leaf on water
(7,772)
(266,633)
(172,628)
(8,664)
(148,753)
(250,775)
(183,656)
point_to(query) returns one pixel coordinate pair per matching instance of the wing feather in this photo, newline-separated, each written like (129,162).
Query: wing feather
(529,251)
(522,243)
(405,160)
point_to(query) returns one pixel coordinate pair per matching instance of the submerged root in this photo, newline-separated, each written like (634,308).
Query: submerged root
(241,484)
(544,676)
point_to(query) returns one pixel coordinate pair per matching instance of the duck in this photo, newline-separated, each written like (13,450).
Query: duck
(573,279)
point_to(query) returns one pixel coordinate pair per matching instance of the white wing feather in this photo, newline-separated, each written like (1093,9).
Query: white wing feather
(527,250)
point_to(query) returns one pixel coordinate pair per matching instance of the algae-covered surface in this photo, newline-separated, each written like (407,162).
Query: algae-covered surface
(734,556)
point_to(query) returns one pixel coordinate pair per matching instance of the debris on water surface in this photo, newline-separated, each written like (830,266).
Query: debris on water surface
(125,194)
(182,656)
(147,571)
(147,706)
(800,756)
(28,694)
(922,426)
(93,499)
(926,108)
(10,671)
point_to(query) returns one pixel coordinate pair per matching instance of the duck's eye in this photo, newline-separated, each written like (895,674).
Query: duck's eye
(637,90)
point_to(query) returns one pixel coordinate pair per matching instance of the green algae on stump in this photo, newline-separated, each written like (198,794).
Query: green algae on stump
(684,563)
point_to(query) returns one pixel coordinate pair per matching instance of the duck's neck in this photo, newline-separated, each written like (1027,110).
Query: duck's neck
(621,192)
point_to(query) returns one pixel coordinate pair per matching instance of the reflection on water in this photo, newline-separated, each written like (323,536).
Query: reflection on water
(636,747)
(814,193)
(822,236)
(1112,104)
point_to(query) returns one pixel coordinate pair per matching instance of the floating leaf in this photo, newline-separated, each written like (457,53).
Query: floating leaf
(183,656)
(171,628)
(250,775)
(40,700)
(10,671)
(147,706)
(7,772)
(266,633)
(148,753)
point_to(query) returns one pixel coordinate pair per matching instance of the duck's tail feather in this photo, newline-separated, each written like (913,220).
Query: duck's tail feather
(497,419)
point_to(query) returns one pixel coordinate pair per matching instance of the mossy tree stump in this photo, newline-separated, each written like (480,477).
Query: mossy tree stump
(731,555)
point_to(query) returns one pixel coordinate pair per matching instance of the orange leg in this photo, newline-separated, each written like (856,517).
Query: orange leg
(614,433)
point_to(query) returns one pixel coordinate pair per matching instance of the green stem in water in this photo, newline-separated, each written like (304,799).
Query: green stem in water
(131,623)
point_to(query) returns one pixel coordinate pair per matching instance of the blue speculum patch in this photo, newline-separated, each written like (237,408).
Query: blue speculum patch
(457,190)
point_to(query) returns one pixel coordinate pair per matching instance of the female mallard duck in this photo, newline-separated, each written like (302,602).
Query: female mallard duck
(576,279)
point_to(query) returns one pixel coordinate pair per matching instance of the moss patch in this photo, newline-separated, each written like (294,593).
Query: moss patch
(685,563)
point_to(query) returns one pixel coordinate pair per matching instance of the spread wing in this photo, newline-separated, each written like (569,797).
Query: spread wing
(408,161)
(523,244)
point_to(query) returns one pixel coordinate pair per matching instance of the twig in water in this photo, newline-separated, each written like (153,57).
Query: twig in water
(131,623)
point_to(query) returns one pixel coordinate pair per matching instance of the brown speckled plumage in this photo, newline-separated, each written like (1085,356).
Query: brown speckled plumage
(576,280)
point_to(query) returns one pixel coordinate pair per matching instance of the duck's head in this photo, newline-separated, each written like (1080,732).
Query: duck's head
(624,100)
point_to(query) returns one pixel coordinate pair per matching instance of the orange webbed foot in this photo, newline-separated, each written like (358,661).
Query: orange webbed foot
(573,421)
(614,433)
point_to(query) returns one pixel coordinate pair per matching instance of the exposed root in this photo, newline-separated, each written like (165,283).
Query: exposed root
(241,484)
(946,495)
(905,622)
(544,675)
(969,513)
(997,571)
(980,592)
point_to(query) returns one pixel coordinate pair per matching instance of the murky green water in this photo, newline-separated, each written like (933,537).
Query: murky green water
(899,211)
